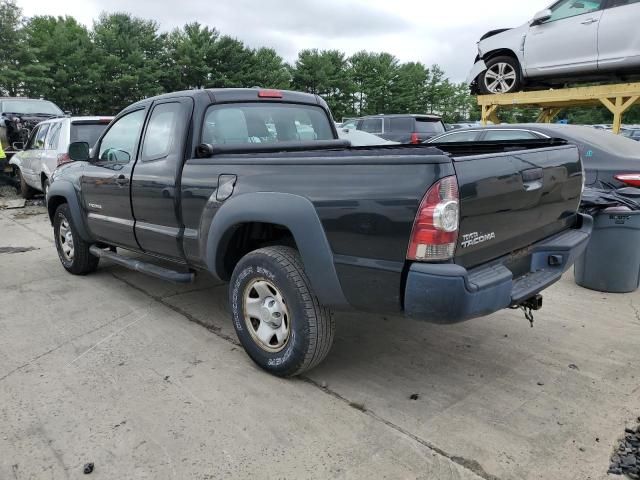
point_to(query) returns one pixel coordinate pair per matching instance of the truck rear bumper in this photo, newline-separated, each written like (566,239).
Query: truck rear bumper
(449,293)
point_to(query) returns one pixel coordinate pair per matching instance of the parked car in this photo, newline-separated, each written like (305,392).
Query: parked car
(358,138)
(633,134)
(604,155)
(402,128)
(18,116)
(571,40)
(47,148)
(300,227)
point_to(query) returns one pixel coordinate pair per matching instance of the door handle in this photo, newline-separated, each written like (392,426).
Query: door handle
(590,21)
(532,179)
(122,180)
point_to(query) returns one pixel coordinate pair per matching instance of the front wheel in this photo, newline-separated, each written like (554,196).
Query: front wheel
(276,315)
(25,190)
(501,76)
(72,249)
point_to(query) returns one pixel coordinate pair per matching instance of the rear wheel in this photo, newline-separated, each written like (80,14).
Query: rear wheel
(73,251)
(276,315)
(501,76)
(25,190)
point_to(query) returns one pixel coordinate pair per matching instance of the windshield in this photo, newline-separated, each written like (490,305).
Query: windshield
(30,107)
(265,123)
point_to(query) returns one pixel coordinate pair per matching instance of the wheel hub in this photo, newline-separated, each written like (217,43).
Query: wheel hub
(266,315)
(65,238)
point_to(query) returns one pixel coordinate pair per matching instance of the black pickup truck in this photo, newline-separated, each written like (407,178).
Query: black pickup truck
(253,187)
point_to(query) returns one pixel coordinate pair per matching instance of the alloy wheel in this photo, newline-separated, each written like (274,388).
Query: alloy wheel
(500,78)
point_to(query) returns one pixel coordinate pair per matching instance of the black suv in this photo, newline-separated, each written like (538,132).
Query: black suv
(402,128)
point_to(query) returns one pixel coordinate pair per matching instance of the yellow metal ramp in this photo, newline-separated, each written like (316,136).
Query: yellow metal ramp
(618,98)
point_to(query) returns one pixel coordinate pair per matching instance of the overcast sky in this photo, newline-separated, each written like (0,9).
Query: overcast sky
(414,30)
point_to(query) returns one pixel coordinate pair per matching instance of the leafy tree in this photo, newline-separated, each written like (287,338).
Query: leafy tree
(230,64)
(64,51)
(268,70)
(129,52)
(374,75)
(325,73)
(189,55)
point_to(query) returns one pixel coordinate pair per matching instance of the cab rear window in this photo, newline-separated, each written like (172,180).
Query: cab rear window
(241,123)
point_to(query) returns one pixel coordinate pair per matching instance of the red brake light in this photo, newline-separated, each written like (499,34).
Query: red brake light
(631,179)
(63,158)
(435,229)
(270,94)
(415,139)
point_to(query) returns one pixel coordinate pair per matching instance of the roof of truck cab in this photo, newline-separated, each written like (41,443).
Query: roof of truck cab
(221,95)
(404,115)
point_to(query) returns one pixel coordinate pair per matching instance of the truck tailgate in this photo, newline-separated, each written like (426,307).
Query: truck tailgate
(511,200)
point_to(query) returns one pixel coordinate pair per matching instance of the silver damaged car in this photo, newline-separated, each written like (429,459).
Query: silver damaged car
(572,40)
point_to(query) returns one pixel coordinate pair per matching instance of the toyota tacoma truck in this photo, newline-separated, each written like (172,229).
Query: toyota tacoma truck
(254,187)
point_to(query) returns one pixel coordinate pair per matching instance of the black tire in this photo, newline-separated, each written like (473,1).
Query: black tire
(485,79)
(81,261)
(25,190)
(311,327)
(45,187)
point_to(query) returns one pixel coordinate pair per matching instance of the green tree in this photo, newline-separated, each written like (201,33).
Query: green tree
(325,73)
(17,62)
(129,51)
(374,76)
(189,55)
(64,51)
(268,70)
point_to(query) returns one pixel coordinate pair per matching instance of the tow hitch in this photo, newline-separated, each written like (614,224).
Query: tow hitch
(528,307)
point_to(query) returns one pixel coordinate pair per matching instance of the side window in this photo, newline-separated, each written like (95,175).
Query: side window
(371,125)
(573,8)
(496,135)
(119,143)
(42,134)
(458,137)
(32,139)
(54,136)
(161,129)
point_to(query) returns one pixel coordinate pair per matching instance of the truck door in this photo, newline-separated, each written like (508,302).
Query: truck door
(155,184)
(567,42)
(106,181)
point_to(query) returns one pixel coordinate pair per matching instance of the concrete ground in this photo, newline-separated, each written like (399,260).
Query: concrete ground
(146,380)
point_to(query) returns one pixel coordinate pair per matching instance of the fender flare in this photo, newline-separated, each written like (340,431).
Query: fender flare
(293,212)
(62,191)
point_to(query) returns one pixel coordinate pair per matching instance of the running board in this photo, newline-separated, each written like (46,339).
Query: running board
(143,267)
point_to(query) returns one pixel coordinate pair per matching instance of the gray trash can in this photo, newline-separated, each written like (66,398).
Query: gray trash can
(611,262)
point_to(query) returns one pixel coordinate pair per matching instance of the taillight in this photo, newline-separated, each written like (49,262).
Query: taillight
(435,229)
(415,139)
(63,158)
(631,179)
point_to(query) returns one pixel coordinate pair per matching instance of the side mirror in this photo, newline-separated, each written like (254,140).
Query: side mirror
(542,16)
(79,151)
(18,145)
(204,150)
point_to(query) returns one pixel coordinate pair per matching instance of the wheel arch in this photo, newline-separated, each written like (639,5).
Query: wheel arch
(291,215)
(63,192)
